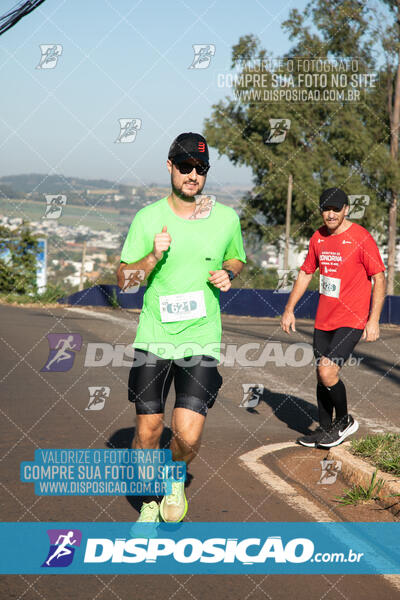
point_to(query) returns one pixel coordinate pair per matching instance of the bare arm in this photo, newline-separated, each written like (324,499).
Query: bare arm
(371,331)
(146,264)
(288,319)
(234,265)
(162,242)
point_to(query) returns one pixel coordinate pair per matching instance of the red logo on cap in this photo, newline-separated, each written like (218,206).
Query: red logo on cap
(202,147)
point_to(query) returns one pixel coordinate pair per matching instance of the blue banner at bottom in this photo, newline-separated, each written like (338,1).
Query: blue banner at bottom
(200,548)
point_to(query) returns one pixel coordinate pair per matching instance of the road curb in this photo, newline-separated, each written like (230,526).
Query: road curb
(357,471)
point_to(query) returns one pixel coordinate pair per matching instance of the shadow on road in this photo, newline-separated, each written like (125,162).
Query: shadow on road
(298,414)
(381,366)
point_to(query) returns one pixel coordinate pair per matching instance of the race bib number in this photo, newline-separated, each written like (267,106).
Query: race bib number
(181,307)
(329,286)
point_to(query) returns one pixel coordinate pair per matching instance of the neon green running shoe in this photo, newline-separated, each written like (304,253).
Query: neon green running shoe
(149,513)
(174,506)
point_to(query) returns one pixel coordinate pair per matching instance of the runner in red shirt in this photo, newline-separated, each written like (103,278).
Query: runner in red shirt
(348,258)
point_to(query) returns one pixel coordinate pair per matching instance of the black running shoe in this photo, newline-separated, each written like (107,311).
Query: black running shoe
(340,430)
(311,440)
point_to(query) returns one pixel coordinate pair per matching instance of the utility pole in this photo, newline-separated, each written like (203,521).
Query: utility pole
(394,113)
(82,266)
(287,230)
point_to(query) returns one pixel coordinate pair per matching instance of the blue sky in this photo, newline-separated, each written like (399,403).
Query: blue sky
(121,59)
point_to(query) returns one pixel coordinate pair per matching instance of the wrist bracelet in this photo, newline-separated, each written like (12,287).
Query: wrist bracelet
(231,274)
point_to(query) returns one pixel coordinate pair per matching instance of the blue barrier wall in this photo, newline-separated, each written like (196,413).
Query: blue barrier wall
(251,302)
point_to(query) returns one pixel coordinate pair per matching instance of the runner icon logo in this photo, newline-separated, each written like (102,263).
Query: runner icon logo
(252,393)
(287,277)
(128,130)
(278,130)
(62,547)
(132,280)
(62,351)
(54,206)
(50,55)
(203,206)
(330,469)
(98,395)
(202,56)
(357,206)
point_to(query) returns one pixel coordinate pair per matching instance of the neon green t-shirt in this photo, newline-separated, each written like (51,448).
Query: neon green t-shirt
(197,247)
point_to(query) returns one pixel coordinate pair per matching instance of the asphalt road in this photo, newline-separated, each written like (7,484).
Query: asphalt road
(47,410)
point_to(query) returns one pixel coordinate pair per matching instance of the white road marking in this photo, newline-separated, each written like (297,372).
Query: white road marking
(252,461)
(99,315)
(376,425)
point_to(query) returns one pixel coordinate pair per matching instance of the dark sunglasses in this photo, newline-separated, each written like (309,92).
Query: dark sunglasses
(186,167)
(328,208)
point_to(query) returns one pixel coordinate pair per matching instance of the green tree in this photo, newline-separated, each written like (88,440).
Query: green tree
(18,251)
(336,143)
(390,39)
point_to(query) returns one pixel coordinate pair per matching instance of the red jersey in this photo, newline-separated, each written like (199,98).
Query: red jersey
(346,263)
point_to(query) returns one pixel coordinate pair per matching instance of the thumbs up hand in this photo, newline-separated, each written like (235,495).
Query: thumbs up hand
(162,242)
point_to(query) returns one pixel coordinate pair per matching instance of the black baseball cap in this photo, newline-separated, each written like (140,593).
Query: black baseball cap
(333,197)
(189,145)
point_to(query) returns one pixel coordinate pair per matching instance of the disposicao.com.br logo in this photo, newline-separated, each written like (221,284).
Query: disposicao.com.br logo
(201,548)
(212,550)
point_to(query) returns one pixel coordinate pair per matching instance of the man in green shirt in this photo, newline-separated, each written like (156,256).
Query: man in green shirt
(190,248)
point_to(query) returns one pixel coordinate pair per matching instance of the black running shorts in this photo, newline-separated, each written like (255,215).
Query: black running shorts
(196,380)
(337,345)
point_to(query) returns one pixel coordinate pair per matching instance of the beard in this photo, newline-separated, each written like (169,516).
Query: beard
(334,224)
(181,194)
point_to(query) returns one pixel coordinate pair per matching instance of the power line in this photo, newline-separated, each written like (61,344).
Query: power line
(17,13)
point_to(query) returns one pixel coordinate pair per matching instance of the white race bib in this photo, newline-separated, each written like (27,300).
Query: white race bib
(181,307)
(329,286)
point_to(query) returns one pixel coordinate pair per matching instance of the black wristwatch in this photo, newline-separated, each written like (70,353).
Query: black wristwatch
(231,274)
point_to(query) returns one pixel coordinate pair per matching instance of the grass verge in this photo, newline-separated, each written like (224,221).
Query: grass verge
(359,493)
(382,450)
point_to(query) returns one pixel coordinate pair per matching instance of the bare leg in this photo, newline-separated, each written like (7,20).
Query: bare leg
(148,431)
(187,427)
(328,372)
(147,436)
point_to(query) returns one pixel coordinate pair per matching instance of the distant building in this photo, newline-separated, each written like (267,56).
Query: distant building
(73,279)
(100,191)
(99,256)
(272,257)
(103,244)
(93,276)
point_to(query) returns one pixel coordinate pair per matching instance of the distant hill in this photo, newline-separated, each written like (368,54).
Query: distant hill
(51,184)
(32,186)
